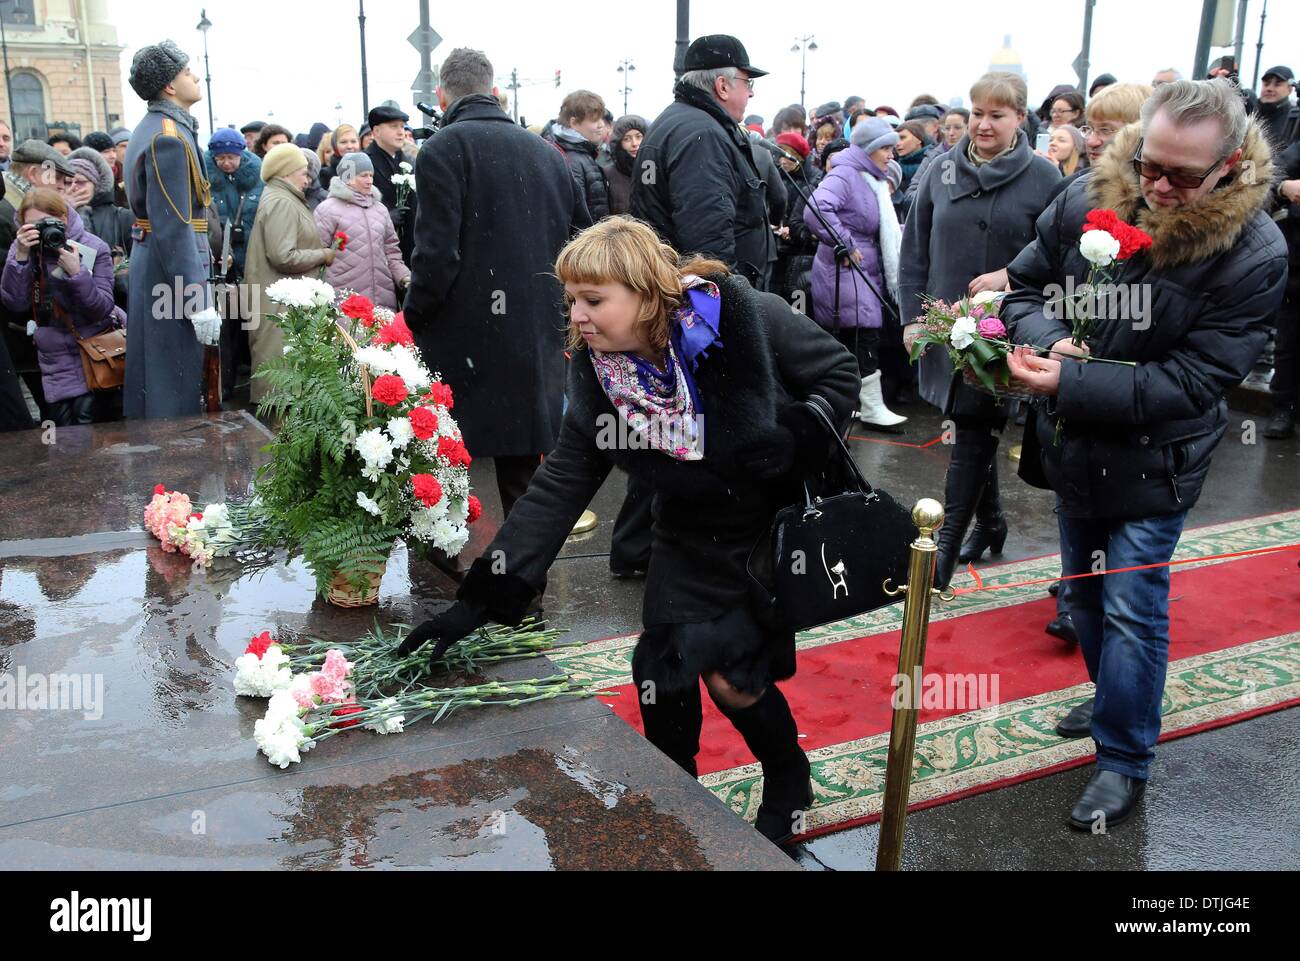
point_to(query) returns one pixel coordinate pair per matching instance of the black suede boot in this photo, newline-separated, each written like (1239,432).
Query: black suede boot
(990,530)
(967,475)
(769,730)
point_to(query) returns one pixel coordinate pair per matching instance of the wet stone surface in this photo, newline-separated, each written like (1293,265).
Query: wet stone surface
(158,767)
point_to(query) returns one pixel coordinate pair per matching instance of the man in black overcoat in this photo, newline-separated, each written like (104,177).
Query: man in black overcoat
(496,204)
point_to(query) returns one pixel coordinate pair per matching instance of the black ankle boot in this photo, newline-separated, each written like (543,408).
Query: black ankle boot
(968,473)
(769,730)
(1282,424)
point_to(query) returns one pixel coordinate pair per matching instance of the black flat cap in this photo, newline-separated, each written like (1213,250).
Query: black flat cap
(719,50)
(385,114)
(1282,73)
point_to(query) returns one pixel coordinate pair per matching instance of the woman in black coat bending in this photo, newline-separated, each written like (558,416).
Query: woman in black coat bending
(692,382)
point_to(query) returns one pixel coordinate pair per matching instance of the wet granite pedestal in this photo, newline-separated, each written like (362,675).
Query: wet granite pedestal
(167,775)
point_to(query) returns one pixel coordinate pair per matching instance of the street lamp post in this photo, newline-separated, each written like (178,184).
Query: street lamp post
(9,90)
(801,46)
(626,68)
(365,84)
(204,26)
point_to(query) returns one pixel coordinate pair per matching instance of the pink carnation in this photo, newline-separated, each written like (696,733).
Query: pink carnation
(992,328)
(330,690)
(336,666)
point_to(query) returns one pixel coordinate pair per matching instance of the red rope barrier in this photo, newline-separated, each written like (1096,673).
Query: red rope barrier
(979,581)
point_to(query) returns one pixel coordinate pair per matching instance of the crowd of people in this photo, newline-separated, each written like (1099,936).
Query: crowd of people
(680,246)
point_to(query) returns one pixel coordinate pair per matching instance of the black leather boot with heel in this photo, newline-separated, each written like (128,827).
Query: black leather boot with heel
(769,731)
(968,473)
(990,530)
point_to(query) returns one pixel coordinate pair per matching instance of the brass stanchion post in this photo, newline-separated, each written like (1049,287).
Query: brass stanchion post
(928,517)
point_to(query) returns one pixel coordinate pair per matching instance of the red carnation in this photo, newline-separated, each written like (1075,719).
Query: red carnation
(395,332)
(196,516)
(475,510)
(341,240)
(1131,239)
(440,394)
(259,644)
(159,489)
(454,452)
(390,389)
(427,489)
(359,308)
(344,712)
(424,422)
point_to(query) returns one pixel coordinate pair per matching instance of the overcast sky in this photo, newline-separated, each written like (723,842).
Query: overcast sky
(302,62)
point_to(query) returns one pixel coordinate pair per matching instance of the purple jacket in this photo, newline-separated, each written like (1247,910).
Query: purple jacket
(372,262)
(88,299)
(849,205)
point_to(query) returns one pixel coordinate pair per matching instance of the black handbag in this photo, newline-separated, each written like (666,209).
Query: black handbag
(827,558)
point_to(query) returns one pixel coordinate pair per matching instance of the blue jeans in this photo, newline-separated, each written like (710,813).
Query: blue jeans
(1123,626)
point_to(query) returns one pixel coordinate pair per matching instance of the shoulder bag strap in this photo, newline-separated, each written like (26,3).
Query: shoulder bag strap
(821,408)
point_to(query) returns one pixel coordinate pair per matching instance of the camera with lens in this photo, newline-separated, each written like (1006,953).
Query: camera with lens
(53,234)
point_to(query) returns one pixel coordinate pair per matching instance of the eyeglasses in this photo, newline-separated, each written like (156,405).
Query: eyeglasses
(1056,112)
(1105,132)
(747,81)
(954,128)
(1179,181)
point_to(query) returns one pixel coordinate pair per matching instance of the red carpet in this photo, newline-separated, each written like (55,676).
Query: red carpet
(842,691)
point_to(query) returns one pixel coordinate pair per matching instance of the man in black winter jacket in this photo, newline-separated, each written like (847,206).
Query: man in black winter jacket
(578,135)
(1127,447)
(697,183)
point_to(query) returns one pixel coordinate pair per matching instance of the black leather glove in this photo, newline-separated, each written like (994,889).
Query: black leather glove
(399,218)
(444,630)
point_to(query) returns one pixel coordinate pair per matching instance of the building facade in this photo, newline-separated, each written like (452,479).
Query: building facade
(64,68)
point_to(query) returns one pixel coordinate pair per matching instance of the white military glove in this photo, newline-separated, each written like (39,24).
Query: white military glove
(207,327)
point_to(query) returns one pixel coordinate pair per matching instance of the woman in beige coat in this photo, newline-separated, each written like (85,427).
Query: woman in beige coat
(285,243)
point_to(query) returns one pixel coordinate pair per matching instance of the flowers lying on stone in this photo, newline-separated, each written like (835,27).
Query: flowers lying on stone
(316,689)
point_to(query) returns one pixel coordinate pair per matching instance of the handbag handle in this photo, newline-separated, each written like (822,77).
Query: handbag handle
(821,408)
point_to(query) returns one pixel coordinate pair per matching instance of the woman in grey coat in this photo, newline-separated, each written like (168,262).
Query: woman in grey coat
(973,213)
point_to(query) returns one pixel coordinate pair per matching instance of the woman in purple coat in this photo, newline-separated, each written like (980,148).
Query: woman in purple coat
(55,289)
(371,263)
(854,200)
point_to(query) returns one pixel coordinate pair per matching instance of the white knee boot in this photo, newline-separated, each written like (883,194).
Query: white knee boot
(872,411)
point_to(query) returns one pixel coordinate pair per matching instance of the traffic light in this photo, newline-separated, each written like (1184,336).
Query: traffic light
(557,79)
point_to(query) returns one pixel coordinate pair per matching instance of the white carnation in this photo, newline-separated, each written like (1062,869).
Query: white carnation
(392,725)
(216,516)
(449,537)
(1099,248)
(986,297)
(281,738)
(458,511)
(264,676)
(407,365)
(374,448)
(963,333)
(377,359)
(301,292)
(406,167)
(368,504)
(401,431)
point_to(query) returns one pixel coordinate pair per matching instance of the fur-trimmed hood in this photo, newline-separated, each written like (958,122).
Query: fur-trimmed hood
(1193,233)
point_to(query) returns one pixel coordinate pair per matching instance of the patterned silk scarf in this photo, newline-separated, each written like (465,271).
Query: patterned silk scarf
(662,406)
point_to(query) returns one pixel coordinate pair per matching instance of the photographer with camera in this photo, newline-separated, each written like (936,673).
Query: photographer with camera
(61,277)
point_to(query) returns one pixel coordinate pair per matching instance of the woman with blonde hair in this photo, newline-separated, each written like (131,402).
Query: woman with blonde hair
(692,382)
(1066,149)
(343,141)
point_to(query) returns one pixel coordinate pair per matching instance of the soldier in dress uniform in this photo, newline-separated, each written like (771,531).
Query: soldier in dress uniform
(171,315)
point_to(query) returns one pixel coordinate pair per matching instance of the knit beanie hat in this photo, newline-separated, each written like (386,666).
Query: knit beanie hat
(153,68)
(894,174)
(353,165)
(313,161)
(281,160)
(85,168)
(226,141)
(872,133)
(120,136)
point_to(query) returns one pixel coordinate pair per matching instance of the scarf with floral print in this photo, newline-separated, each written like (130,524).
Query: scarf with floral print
(662,406)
